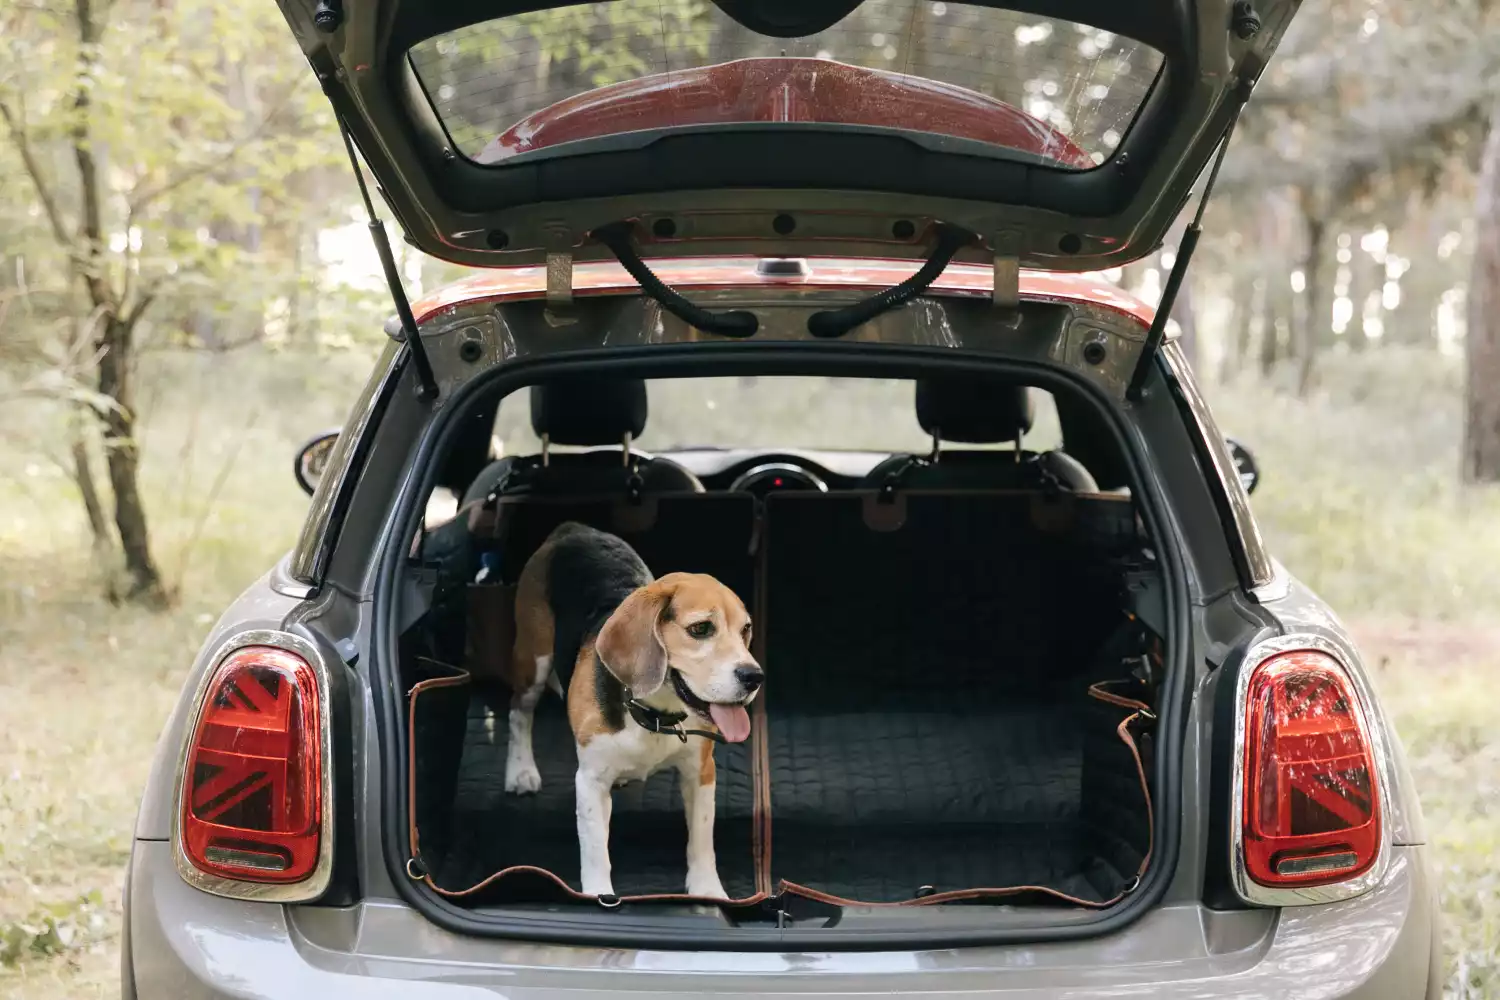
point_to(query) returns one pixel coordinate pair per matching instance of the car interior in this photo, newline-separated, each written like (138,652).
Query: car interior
(953,637)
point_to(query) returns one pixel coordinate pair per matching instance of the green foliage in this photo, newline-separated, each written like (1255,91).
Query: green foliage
(210,158)
(487,76)
(53,929)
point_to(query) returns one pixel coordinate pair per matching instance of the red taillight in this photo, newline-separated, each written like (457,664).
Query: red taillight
(252,784)
(1312,792)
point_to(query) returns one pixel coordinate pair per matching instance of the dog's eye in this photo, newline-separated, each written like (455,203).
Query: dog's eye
(701,630)
(745,633)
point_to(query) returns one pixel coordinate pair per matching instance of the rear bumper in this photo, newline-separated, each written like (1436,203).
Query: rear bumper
(186,944)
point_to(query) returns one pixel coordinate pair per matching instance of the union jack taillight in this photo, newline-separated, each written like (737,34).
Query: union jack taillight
(1311,809)
(252,785)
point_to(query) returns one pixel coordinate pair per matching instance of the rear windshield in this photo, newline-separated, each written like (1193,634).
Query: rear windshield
(1061,91)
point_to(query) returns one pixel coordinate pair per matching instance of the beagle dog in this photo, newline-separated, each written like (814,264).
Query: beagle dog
(644,661)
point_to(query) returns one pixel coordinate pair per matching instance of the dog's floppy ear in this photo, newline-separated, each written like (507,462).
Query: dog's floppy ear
(629,644)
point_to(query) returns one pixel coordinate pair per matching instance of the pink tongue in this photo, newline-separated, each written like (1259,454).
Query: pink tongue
(733,721)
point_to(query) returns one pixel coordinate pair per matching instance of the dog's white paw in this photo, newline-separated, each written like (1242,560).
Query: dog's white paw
(707,885)
(597,886)
(522,779)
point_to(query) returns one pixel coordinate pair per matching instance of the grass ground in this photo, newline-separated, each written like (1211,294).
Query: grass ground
(1358,498)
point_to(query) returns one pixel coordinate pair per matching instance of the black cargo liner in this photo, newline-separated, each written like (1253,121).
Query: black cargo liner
(927,725)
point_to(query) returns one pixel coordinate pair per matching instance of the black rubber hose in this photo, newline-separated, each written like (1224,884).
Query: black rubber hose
(736,323)
(837,322)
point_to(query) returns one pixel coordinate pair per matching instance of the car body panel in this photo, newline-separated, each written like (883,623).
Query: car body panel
(188,944)
(845,184)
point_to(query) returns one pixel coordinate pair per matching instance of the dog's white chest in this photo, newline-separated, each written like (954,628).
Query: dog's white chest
(632,754)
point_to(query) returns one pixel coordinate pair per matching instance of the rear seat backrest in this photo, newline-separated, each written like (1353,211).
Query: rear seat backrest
(969,590)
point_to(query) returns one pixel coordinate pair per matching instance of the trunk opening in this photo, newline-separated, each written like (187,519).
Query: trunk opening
(938,727)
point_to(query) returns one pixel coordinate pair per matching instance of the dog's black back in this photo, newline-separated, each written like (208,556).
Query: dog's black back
(590,575)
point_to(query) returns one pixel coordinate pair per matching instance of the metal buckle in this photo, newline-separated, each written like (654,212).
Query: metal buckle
(675,729)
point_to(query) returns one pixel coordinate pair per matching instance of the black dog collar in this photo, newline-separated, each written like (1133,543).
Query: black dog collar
(668,723)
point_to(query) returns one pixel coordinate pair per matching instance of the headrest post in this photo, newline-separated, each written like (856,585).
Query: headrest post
(625,451)
(1018,447)
(546,444)
(937,445)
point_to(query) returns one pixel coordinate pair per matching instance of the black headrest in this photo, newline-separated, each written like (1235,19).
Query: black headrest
(589,411)
(973,410)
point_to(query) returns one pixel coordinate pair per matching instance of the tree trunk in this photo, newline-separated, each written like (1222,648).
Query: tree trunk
(1367,282)
(1414,320)
(144,580)
(116,331)
(83,476)
(1481,456)
(1314,312)
(1272,318)
(1241,322)
(1273,279)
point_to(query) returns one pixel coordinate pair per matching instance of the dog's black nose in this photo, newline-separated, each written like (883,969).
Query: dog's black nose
(750,676)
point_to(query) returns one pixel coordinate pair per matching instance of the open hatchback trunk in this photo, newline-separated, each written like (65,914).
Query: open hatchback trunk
(961,700)
(964,655)
(1062,135)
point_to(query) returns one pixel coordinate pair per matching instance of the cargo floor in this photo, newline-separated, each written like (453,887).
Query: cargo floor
(870,806)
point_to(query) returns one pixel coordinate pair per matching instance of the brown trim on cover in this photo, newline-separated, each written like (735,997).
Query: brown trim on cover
(760,777)
(572,893)
(760,751)
(459,677)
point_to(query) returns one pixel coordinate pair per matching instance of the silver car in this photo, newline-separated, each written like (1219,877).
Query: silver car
(1043,717)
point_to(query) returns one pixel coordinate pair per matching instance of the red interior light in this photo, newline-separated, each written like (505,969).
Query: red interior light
(252,800)
(1312,793)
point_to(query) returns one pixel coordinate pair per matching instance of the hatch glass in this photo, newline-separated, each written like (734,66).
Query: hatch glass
(1005,81)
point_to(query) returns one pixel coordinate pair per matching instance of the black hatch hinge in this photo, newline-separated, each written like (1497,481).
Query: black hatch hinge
(427,387)
(617,238)
(1158,331)
(830,323)
(827,323)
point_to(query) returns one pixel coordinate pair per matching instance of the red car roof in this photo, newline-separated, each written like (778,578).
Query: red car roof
(609,278)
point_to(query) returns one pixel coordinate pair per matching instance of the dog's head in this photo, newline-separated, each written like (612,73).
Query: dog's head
(690,631)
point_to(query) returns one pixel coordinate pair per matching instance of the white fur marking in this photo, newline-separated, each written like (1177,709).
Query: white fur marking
(698,803)
(521,774)
(594,803)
